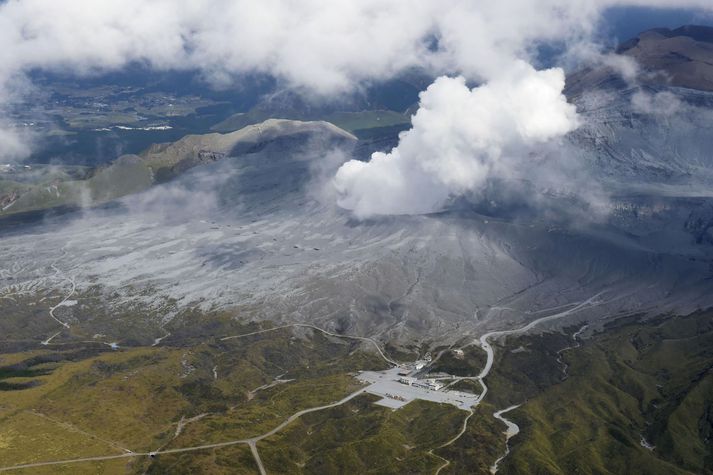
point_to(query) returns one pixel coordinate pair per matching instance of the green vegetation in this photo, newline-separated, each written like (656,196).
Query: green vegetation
(359,437)
(27,436)
(375,133)
(649,379)
(88,468)
(468,386)
(361,121)
(87,400)
(480,445)
(126,175)
(524,366)
(25,319)
(24,192)
(469,364)
(21,376)
(355,122)
(234,459)
(584,410)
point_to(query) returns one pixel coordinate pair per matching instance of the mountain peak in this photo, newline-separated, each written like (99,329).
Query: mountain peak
(680,57)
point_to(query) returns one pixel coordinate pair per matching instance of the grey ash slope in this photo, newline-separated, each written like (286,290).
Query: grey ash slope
(260,234)
(654,129)
(256,229)
(666,148)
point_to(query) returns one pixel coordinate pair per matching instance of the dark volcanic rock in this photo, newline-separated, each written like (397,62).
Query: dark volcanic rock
(682,58)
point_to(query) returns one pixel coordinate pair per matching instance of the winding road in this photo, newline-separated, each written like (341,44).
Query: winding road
(252,442)
(451,441)
(486,346)
(484,342)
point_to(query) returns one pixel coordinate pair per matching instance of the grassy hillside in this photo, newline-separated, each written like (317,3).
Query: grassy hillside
(583,410)
(363,438)
(83,399)
(29,191)
(649,380)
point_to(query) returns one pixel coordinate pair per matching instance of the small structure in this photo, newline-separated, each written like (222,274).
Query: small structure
(430,384)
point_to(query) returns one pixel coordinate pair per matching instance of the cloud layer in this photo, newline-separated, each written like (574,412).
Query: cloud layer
(323,46)
(332,48)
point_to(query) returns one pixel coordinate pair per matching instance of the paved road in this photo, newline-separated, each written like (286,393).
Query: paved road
(256,456)
(251,442)
(71,461)
(485,345)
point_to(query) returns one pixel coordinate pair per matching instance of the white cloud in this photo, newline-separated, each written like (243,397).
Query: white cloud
(13,144)
(324,47)
(659,103)
(460,138)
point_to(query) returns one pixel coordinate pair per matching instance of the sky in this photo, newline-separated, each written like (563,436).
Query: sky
(623,23)
(461,136)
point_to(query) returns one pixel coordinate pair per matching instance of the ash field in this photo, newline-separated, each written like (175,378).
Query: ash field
(259,233)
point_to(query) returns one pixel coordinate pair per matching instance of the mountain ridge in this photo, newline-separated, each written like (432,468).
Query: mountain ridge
(159,163)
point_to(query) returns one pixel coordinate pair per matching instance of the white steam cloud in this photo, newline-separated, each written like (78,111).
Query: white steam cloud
(460,138)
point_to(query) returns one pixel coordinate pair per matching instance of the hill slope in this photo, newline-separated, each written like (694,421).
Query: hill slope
(162,162)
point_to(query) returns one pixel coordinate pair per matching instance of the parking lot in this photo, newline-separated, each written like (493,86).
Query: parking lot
(395,394)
